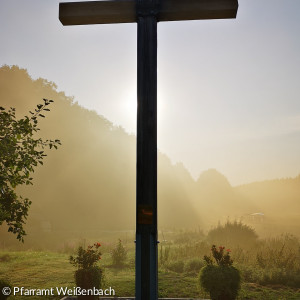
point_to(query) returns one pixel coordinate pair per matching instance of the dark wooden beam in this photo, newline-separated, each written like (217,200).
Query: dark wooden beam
(124,11)
(146,167)
(180,10)
(97,12)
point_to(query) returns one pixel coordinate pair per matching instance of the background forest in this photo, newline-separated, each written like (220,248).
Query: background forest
(87,186)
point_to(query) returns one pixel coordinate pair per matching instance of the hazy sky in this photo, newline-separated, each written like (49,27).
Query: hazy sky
(228,90)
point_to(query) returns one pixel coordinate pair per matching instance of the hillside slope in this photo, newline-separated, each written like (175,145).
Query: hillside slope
(89,182)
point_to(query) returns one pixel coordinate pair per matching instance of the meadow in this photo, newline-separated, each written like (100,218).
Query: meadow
(270,267)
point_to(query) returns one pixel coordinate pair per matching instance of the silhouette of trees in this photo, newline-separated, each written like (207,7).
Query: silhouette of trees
(233,234)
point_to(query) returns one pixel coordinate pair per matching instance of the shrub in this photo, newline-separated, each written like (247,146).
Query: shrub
(119,255)
(89,278)
(88,275)
(222,282)
(233,234)
(221,258)
(219,278)
(86,258)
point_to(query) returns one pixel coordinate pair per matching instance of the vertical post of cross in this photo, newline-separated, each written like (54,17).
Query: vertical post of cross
(146,187)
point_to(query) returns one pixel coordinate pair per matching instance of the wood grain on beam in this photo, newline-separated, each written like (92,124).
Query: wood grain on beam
(176,10)
(124,11)
(97,12)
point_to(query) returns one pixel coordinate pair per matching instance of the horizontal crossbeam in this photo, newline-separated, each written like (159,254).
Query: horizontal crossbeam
(124,11)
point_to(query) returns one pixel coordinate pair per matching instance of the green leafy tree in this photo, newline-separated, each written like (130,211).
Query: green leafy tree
(20,152)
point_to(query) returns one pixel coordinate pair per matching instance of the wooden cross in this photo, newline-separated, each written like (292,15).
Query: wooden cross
(146,13)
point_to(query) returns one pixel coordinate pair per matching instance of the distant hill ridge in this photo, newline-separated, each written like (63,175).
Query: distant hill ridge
(90,181)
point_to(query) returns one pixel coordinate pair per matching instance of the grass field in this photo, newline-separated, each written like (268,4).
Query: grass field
(264,272)
(47,269)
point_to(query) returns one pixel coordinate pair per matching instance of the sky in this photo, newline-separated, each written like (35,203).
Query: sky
(228,90)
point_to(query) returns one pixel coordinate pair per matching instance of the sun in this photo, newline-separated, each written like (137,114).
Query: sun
(129,112)
(130,106)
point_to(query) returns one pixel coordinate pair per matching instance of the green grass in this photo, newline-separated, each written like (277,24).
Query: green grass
(36,270)
(255,291)
(270,269)
(32,269)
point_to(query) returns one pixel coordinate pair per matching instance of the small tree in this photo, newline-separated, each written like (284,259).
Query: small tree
(20,153)
(119,255)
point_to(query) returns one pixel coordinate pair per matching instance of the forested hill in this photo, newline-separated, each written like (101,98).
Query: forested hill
(89,182)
